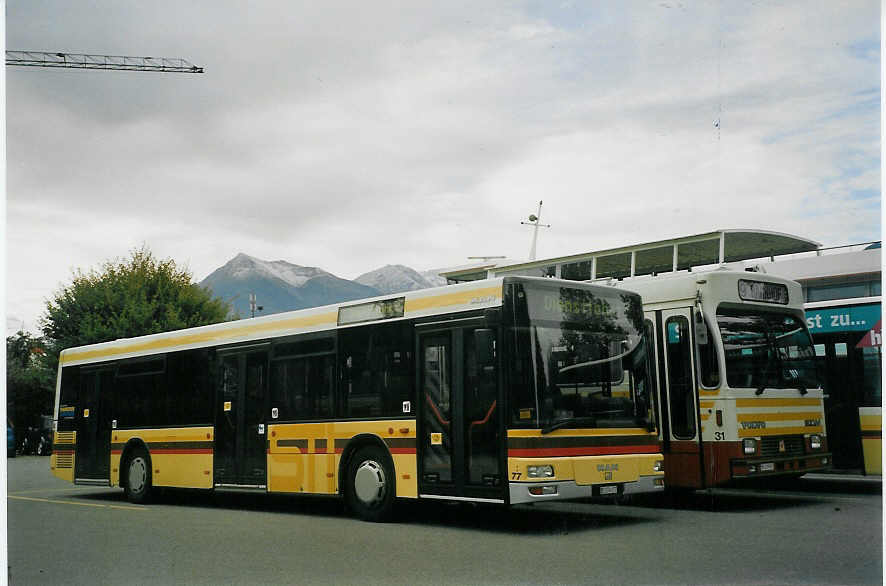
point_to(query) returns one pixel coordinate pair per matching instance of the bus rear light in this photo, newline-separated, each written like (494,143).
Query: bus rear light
(749,445)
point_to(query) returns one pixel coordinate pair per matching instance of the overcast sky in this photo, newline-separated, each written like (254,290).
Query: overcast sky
(357,134)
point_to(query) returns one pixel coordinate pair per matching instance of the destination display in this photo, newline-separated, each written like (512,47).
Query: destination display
(571,305)
(762,291)
(372,311)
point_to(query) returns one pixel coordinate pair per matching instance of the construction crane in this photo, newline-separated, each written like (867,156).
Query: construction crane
(82,61)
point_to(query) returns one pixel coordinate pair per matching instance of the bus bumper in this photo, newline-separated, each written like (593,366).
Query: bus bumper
(533,492)
(787,465)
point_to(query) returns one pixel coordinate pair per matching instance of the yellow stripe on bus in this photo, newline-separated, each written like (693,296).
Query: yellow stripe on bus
(458,298)
(779,416)
(218,335)
(871,423)
(763,402)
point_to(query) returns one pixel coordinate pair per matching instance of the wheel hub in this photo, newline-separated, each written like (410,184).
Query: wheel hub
(137,475)
(370,483)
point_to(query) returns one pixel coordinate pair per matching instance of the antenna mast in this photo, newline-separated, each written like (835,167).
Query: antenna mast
(534,220)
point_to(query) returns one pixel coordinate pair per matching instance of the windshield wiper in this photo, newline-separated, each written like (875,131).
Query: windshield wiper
(561,423)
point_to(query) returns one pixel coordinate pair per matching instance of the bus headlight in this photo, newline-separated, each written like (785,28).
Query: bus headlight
(540,471)
(750,446)
(815,442)
(658,466)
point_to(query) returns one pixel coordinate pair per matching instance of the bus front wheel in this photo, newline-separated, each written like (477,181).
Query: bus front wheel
(371,486)
(138,477)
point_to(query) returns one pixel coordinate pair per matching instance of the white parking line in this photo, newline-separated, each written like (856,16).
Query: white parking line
(67,502)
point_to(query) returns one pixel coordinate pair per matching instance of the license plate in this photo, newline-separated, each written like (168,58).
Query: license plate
(608,490)
(767,467)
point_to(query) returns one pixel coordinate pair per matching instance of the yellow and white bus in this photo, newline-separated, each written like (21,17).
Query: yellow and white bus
(739,393)
(509,390)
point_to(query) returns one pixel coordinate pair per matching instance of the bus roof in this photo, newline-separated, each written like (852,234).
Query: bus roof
(720,284)
(439,300)
(443,300)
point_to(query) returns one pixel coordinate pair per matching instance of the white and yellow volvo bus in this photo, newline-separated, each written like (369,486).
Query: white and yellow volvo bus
(739,393)
(508,390)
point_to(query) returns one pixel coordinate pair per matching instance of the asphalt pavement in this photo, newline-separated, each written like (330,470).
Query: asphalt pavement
(815,531)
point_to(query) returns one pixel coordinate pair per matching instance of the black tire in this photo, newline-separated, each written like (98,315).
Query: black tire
(136,477)
(371,486)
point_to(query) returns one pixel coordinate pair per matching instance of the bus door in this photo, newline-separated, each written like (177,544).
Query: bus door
(240,438)
(460,430)
(683,462)
(93,425)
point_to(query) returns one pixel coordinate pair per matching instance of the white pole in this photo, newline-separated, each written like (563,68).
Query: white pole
(535,233)
(534,220)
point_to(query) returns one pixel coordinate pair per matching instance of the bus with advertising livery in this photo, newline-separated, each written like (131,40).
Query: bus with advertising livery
(740,397)
(509,390)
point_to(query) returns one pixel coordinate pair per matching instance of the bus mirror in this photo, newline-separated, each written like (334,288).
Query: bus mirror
(701,330)
(484,342)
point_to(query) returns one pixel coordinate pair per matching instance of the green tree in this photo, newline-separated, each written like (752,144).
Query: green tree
(126,298)
(30,388)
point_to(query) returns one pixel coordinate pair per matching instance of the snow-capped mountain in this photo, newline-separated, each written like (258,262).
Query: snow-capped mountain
(283,286)
(433,277)
(244,266)
(279,285)
(396,279)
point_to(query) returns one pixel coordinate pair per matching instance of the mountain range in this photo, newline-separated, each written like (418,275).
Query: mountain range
(282,286)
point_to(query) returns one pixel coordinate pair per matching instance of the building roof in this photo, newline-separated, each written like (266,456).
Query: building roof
(716,247)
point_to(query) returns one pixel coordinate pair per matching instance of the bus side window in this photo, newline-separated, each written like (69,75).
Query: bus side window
(189,386)
(140,387)
(709,369)
(376,363)
(301,387)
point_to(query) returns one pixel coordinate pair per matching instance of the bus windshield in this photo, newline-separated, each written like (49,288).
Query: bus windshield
(579,358)
(766,350)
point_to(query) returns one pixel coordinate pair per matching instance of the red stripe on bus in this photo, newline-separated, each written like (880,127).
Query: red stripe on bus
(161,451)
(402,450)
(174,451)
(580,451)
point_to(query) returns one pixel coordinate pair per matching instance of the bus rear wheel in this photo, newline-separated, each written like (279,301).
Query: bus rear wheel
(137,485)
(371,486)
